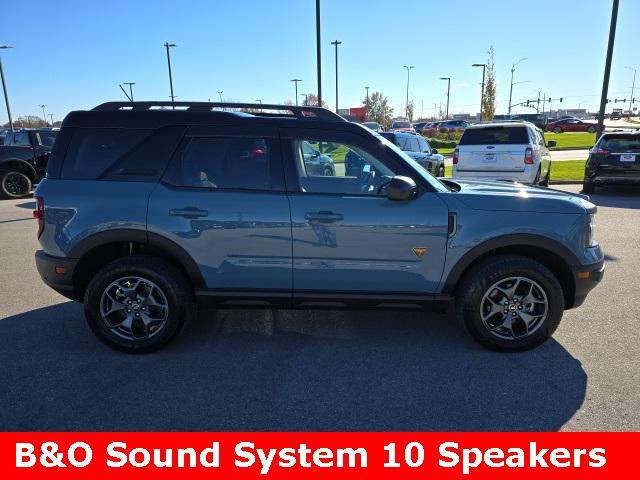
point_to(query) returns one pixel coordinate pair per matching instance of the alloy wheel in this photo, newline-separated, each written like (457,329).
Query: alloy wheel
(134,308)
(16,184)
(514,308)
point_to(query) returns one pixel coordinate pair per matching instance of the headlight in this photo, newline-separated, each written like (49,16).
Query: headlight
(591,225)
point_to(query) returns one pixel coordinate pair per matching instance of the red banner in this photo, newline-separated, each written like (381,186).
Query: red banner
(311,455)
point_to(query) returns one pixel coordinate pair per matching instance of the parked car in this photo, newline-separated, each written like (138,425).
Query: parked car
(571,125)
(450,126)
(614,160)
(430,129)
(23,160)
(401,126)
(317,163)
(513,151)
(418,126)
(418,148)
(375,126)
(147,214)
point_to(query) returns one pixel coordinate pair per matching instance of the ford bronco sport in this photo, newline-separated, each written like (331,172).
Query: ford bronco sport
(151,209)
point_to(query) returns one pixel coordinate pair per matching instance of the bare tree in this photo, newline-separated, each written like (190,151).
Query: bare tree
(489,97)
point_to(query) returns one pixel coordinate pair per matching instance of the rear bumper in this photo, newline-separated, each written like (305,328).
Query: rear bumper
(57,273)
(632,179)
(586,277)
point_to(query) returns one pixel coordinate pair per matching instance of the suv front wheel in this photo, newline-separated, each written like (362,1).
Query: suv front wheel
(138,304)
(14,184)
(510,303)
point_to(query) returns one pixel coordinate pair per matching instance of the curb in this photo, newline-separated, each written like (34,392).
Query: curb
(565,182)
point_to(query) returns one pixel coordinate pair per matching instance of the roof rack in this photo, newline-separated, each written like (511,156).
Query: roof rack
(258,109)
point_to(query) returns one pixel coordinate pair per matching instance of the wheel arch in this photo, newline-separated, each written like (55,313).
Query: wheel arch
(550,253)
(21,165)
(101,248)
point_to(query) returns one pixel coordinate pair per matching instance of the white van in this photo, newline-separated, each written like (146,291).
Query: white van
(512,151)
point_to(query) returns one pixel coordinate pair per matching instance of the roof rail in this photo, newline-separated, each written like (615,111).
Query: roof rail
(300,112)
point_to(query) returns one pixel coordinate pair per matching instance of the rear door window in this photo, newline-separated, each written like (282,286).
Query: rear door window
(498,135)
(94,150)
(227,163)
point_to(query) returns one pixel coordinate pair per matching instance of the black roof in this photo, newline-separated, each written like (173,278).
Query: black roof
(158,114)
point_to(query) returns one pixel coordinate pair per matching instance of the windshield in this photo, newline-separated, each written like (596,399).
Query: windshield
(400,125)
(46,139)
(434,182)
(371,125)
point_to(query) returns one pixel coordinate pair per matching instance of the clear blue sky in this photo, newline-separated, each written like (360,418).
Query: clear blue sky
(73,54)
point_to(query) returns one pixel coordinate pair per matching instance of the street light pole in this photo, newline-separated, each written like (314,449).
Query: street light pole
(306,98)
(406,107)
(367,111)
(607,67)
(633,87)
(484,68)
(51,117)
(336,43)
(220,95)
(448,79)
(44,115)
(296,80)
(513,69)
(4,89)
(131,84)
(318,51)
(168,45)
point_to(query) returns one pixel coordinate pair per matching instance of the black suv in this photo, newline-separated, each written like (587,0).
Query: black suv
(23,160)
(614,160)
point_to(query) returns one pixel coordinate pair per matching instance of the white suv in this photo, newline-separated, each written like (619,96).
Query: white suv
(512,151)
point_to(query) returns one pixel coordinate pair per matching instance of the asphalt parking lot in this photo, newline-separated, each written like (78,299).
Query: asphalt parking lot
(321,370)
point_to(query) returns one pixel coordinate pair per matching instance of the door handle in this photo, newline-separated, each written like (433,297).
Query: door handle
(188,212)
(324,216)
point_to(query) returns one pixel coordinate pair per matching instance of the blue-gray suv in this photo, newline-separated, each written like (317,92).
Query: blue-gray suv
(150,210)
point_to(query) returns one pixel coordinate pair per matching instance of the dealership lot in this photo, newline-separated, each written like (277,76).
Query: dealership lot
(321,370)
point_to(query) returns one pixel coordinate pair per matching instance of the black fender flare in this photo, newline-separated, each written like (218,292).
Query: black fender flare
(160,243)
(511,240)
(23,163)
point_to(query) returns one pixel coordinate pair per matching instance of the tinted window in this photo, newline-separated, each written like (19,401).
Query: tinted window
(412,144)
(424,146)
(46,139)
(22,138)
(93,151)
(227,163)
(401,125)
(495,136)
(620,142)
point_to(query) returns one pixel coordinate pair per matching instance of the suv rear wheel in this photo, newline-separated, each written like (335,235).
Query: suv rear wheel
(14,184)
(138,303)
(510,303)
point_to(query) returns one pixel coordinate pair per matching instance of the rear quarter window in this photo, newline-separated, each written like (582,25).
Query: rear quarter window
(93,151)
(495,136)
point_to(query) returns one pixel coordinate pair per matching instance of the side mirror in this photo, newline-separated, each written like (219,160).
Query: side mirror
(401,188)
(551,143)
(434,150)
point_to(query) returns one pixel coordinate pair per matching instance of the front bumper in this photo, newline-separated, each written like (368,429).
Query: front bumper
(586,277)
(57,273)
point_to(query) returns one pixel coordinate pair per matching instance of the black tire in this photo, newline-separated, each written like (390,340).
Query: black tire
(487,273)
(14,184)
(591,129)
(545,182)
(557,130)
(441,171)
(173,285)
(328,172)
(588,187)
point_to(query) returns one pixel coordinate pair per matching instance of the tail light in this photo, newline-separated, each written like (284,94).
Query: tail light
(598,151)
(455,156)
(38,214)
(528,156)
